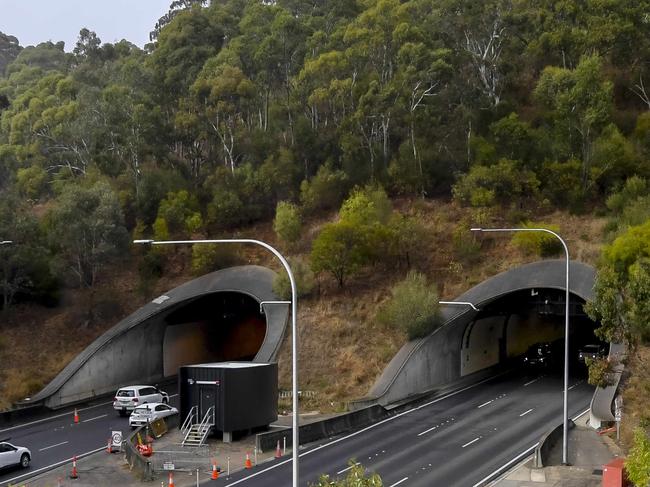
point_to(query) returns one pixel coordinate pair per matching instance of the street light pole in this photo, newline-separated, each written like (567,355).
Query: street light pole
(294,330)
(5,242)
(565,416)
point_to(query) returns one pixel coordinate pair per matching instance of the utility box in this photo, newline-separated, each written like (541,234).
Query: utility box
(614,473)
(244,395)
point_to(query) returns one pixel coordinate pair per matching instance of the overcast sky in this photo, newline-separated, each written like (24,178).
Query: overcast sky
(34,21)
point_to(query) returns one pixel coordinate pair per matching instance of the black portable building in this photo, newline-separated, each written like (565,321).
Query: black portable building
(244,394)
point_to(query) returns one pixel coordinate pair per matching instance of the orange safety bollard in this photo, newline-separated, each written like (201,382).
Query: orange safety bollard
(278,452)
(247,463)
(73,474)
(76,416)
(215,472)
(171,480)
(109,446)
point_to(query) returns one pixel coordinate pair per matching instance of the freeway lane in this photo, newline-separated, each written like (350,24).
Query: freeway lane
(58,438)
(456,440)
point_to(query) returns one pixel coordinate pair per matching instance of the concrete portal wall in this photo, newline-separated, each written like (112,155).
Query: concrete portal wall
(132,351)
(433,361)
(480,349)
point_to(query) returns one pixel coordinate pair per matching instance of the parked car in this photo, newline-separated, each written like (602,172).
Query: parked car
(130,397)
(539,355)
(592,351)
(11,455)
(150,412)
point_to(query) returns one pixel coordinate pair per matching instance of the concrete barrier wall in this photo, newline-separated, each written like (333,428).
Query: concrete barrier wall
(547,442)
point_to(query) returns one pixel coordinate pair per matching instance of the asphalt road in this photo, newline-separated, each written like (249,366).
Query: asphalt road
(57,439)
(457,440)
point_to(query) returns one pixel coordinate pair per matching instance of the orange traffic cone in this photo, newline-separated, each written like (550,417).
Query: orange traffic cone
(109,446)
(215,472)
(278,452)
(73,474)
(171,480)
(247,463)
(76,416)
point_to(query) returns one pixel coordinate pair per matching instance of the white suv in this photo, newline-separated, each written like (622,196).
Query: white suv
(128,398)
(14,455)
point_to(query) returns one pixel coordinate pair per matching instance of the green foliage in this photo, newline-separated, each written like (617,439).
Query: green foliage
(324,191)
(208,258)
(413,307)
(341,250)
(600,371)
(32,182)
(288,223)
(366,206)
(302,274)
(356,477)
(538,243)
(180,211)
(637,463)
(498,184)
(634,188)
(627,248)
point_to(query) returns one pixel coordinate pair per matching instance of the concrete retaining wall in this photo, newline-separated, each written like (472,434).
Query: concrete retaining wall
(547,442)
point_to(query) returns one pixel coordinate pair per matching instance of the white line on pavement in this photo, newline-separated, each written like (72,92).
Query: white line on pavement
(374,425)
(346,469)
(526,412)
(531,381)
(399,482)
(54,465)
(427,431)
(53,446)
(503,467)
(485,403)
(93,419)
(473,441)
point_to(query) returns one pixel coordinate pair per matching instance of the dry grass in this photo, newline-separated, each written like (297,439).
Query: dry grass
(342,350)
(636,392)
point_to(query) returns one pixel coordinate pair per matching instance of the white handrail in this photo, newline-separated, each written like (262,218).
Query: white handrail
(187,424)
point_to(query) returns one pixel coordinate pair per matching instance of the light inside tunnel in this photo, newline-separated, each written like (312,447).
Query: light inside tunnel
(219,327)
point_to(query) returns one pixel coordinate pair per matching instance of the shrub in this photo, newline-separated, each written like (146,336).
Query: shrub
(208,258)
(367,206)
(356,477)
(538,243)
(32,182)
(324,191)
(287,224)
(413,307)
(637,464)
(600,371)
(302,274)
(181,212)
(339,249)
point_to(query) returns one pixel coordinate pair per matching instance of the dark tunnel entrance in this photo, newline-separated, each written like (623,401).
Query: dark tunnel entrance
(505,328)
(218,327)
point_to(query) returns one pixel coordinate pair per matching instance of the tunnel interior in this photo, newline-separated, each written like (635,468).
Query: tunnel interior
(505,328)
(218,327)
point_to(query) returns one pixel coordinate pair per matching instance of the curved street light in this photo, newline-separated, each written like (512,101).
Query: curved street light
(294,331)
(5,242)
(565,422)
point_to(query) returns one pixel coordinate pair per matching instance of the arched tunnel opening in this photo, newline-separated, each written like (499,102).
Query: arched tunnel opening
(506,328)
(218,327)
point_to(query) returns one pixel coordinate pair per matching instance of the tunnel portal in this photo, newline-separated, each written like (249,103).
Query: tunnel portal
(218,327)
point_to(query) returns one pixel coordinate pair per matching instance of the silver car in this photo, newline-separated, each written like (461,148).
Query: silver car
(149,413)
(130,397)
(11,455)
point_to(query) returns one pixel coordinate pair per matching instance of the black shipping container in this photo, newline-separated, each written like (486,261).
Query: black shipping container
(244,394)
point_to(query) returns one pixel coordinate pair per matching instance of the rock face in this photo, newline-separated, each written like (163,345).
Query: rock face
(9,50)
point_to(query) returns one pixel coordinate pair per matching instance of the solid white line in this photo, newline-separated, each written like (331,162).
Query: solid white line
(530,382)
(48,447)
(374,425)
(93,419)
(473,441)
(485,404)
(54,465)
(399,482)
(581,414)
(346,469)
(496,472)
(526,412)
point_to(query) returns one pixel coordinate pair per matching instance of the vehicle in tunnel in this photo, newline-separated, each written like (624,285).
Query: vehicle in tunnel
(540,356)
(592,351)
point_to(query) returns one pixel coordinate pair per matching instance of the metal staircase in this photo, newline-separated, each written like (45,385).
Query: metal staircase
(195,434)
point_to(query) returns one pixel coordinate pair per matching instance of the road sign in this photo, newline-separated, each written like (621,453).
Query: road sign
(116,440)
(168,466)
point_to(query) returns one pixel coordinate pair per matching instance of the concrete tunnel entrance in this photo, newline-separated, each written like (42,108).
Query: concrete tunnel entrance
(218,327)
(506,327)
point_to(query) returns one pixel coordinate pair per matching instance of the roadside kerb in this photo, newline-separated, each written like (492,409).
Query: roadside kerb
(547,442)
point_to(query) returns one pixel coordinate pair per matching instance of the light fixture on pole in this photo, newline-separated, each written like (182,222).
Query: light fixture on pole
(565,415)
(460,303)
(5,242)
(294,331)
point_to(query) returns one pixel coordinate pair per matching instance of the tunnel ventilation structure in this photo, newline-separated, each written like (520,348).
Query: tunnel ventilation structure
(516,309)
(215,318)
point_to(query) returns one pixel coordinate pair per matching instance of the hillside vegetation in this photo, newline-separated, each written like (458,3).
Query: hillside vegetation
(362,137)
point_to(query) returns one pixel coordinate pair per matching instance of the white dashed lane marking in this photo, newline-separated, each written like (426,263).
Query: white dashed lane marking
(525,412)
(53,446)
(473,441)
